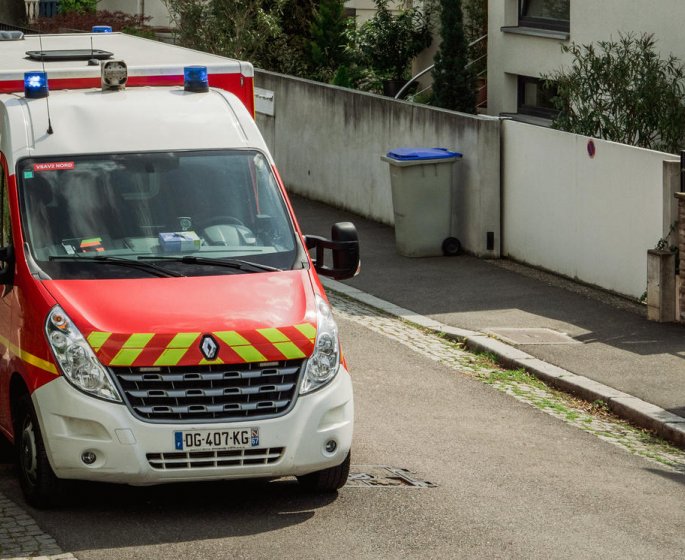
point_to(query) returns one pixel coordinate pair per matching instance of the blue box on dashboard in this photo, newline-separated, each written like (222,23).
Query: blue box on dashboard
(179,241)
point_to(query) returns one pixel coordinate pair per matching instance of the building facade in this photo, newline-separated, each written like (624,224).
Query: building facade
(156,9)
(525,39)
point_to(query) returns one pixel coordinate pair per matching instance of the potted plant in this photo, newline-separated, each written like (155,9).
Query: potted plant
(387,43)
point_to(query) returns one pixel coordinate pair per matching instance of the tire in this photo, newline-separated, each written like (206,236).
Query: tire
(451,247)
(42,489)
(327,480)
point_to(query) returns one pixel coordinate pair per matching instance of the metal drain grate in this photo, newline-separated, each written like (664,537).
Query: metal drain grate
(532,336)
(381,476)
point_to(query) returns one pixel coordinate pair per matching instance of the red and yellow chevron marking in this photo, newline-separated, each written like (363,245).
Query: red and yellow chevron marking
(235,347)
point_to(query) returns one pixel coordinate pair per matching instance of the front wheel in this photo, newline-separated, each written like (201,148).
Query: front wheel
(327,480)
(42,489)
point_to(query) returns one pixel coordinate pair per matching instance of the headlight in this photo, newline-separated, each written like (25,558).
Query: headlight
(76,358)
(324,362)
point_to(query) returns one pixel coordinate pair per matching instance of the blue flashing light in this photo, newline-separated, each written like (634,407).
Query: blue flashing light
(35,84)
(195,79)
(101,29)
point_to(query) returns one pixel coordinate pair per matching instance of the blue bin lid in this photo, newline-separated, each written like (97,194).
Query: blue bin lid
(413,154)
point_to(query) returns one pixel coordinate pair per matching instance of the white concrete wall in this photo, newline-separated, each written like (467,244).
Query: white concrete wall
(592,219)
(327,142)
(366,9)
(591,20)
(154,8)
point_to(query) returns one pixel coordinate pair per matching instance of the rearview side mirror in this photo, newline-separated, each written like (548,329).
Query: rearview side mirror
(344,245)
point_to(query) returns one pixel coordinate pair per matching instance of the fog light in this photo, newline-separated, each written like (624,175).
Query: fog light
(88,457)
(330,446)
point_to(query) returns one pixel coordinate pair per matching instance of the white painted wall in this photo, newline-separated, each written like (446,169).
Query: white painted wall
(592,219)
(154,8)
(366,9)
(327,142)
(591,20)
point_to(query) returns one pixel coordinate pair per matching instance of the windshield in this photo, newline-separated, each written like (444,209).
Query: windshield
(111,210)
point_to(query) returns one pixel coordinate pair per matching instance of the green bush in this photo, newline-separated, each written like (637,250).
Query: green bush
(76,6)
(84,21)
(387,43)
(327,47)
(253,30)
(622,91)
(453,81)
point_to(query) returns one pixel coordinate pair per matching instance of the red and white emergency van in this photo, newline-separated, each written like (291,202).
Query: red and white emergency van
(161,318)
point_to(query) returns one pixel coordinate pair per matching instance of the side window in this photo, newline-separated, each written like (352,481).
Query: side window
(545,14)
(535,98)
(271,203)
(5,226)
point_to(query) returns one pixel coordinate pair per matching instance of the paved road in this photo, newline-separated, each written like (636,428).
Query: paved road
(512,481)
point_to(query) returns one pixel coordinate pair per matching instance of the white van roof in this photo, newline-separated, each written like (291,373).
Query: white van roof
(144,57)
(132,120)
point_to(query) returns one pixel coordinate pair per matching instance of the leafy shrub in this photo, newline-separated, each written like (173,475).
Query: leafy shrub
(387,43)
(76,6)
(622,91)
(82,21)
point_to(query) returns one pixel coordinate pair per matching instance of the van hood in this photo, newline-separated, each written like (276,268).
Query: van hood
(148,322)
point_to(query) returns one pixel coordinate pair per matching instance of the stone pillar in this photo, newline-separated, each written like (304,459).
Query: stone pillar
(661,298)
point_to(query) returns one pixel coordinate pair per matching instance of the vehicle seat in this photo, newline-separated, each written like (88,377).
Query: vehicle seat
(90,207)
(40,211)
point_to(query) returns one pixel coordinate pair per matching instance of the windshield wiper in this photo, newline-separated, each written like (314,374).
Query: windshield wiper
(145,266)
(237,264)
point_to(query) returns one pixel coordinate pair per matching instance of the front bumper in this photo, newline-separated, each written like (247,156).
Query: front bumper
(130,451)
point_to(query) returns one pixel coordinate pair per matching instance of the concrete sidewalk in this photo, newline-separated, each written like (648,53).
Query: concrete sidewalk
(609,339)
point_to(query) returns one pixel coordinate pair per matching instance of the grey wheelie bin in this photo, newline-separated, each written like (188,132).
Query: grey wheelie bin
(421,180)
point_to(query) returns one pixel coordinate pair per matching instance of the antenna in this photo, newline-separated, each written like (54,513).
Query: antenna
(47,98)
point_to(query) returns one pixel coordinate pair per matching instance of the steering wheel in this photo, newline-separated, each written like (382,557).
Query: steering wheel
(242,231)
(219,221)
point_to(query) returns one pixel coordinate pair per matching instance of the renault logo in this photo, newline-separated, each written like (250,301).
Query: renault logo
(209,347)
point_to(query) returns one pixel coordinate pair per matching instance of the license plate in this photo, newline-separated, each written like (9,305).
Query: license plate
(216,440)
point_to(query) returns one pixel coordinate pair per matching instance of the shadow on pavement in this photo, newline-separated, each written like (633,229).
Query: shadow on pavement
(674,476)
(620,348)
(6,451)
(473,288)
(171,513)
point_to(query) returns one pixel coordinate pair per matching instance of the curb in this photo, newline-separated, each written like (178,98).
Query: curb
(641,413)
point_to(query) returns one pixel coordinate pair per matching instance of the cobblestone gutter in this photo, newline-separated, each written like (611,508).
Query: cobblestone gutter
(20,536)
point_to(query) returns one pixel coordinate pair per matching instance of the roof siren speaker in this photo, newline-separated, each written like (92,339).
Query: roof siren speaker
(114,74)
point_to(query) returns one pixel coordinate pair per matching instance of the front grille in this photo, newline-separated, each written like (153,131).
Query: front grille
(210,393)
(208,459)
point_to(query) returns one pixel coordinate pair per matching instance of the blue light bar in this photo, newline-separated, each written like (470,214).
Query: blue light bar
(35,85)
(195,79)
(101,29)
